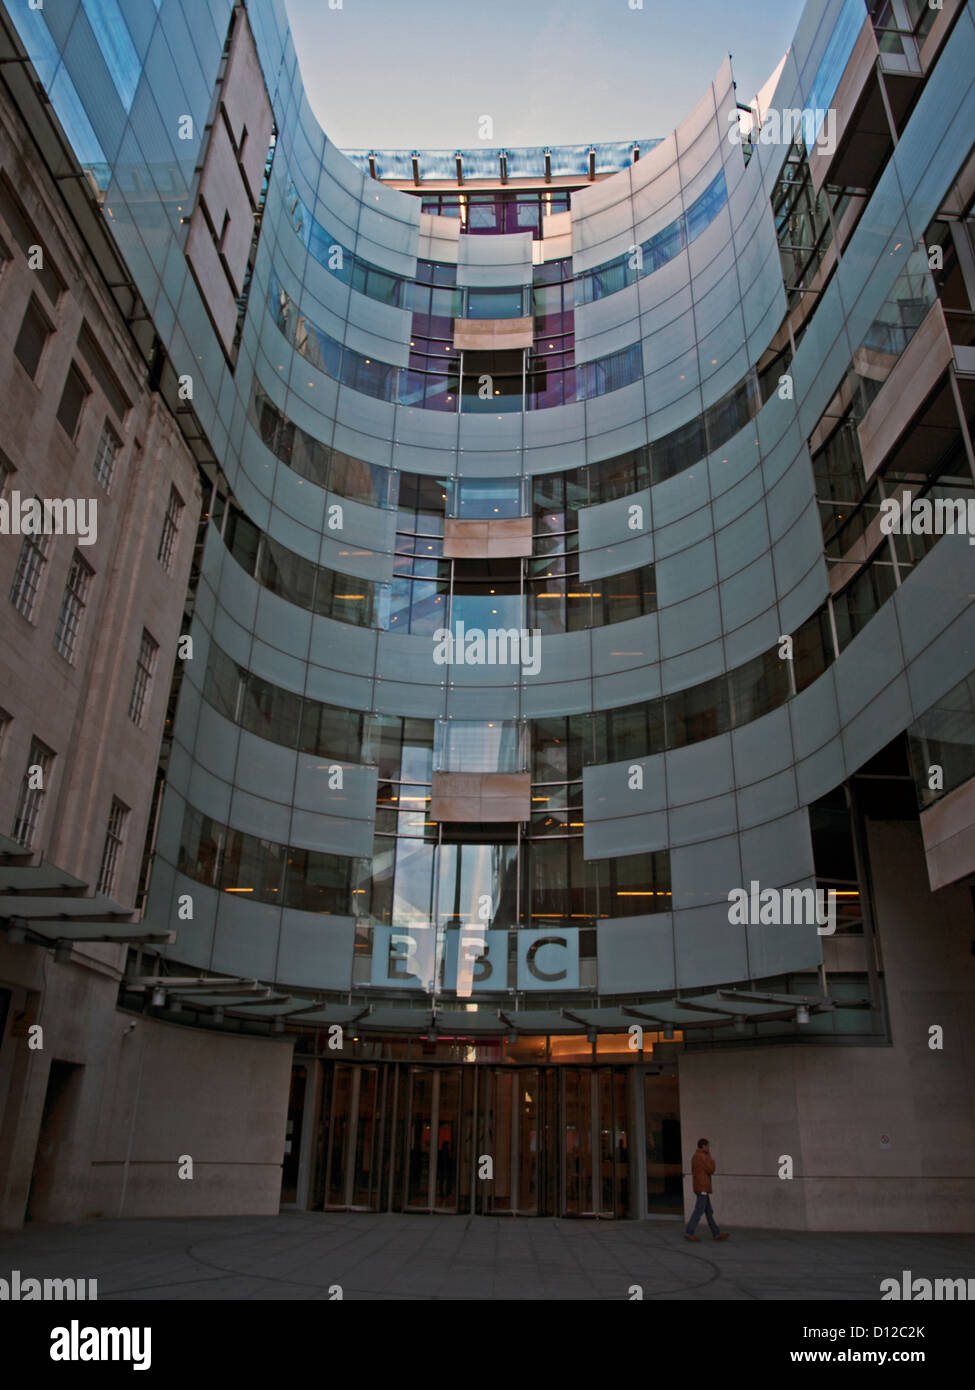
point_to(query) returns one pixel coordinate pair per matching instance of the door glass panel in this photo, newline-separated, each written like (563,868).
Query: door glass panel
(529,1108)
(621,1147)
(466,1130)
(366,1179)
(577,1144)
(338,1136)
(549,1159)
(421,1120)
(499,1132)
(606,1185)
(447,1140)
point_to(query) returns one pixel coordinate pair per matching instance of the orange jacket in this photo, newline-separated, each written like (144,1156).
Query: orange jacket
(702,1166)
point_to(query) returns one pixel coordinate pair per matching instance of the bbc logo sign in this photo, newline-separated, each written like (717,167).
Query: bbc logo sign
(474,959)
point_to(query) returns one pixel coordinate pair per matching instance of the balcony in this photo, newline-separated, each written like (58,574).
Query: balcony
(907,387)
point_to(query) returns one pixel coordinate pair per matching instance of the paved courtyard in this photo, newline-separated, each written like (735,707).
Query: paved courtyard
(301,1255)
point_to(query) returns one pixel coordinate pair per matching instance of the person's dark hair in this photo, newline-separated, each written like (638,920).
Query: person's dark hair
(702,1142)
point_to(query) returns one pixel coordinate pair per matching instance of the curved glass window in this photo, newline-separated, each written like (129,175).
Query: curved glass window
(403,748)
(439,388)
(412,880)
(481,593)
(266,871)
(480,214)
(605,481)
(650,255)
(329,593)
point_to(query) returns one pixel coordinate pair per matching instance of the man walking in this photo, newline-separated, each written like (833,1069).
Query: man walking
(702,1166)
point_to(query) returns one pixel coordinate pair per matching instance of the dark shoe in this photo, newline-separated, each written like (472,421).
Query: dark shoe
(695,1239)
(723,1236)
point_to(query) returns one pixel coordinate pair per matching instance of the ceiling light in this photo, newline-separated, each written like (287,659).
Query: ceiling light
(158,997)
(802,1014)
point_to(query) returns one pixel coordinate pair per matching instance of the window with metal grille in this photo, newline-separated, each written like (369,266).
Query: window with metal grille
(73,606)
(32,792)
(144,669)
(106,456)
(29,572)
(73,397)
(170,531)
(34,333)
(114,840)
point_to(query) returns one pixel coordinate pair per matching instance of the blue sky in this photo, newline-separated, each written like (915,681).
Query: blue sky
(419,73)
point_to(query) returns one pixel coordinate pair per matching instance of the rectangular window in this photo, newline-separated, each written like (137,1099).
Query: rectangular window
(102,374)
(106,456)
(34,333)
(170,531)
(29,573)
(33,788)
(489,499)
(73,606)
(73,398)
(114,841)
(495,304)
(145,667)
(25,234)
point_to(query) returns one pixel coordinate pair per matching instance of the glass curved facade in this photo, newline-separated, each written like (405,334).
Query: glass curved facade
(584,470)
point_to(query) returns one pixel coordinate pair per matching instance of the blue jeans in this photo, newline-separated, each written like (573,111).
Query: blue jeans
(703,1208)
